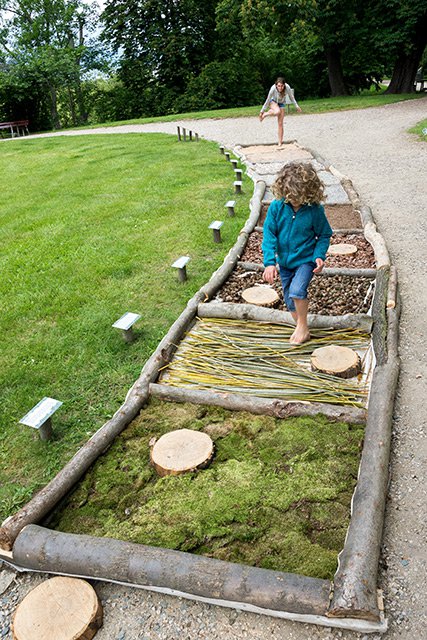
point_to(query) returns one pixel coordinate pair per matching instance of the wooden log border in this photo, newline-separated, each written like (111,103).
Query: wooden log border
(274,407)
(327,271)
(261,314)
(353,602)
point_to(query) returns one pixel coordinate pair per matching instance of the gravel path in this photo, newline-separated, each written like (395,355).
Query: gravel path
(388,169)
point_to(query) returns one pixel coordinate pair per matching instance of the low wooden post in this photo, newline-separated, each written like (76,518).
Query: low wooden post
(125,324)
(181,265)
(221,149)
(178,129)
(190,133)
(227,155)
(39,417)
(237,186)
(184,131)
(238,174)
(197,137)
(216,227)
(230,207)
(234,162)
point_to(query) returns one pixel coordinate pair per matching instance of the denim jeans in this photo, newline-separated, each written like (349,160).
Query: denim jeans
(295,282)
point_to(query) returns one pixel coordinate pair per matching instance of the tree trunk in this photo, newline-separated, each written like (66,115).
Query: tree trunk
(335,73)
(72,107)
(54,108)
(406,65)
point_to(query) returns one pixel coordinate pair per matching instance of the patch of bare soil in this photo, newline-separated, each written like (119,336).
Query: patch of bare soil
(343,216)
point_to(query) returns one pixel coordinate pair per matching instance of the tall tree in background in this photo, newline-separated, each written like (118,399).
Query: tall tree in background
(45,55)
(407,39)
(166,41)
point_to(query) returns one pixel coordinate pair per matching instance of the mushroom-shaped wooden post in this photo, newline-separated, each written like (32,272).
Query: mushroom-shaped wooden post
(237,186)
(221,149)
(230,207)
(181,451)
(60,608)
(227,155)
(336,361)
(342,249)
(125,324)
(234,162)
(238,174)
(216,227)
(262,296)
(181,265)
(178,129)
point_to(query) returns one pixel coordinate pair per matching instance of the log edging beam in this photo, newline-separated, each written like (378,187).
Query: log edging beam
(274,407)
(41,549)
(235,311)
(327,271)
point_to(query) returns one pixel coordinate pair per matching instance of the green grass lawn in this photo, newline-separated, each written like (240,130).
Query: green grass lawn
(319,105)
(90,227)
(419,130)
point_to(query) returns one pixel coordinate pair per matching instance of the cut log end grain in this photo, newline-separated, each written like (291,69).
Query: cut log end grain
(181,451)
(263,296)
(342,249)
(60,608)
(337,361)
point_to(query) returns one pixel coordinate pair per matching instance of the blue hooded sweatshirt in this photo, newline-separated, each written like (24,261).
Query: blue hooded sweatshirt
(292,239)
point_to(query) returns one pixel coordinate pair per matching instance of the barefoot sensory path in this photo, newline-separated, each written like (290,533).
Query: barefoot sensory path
(278,459)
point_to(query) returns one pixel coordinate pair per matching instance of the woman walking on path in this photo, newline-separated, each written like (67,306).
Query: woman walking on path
(276,103)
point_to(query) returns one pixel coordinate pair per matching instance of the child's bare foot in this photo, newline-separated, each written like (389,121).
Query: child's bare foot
(261,117)
(299,336)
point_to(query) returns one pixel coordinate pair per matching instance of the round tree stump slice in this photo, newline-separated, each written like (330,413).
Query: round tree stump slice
(262,296)
(58,609)
(337,361)
(181,451)
(342,249)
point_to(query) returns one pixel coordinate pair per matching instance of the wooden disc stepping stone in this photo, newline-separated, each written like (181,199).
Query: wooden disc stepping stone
(342,249)
(261,296)
(181,451)
(58,609)
(336,361)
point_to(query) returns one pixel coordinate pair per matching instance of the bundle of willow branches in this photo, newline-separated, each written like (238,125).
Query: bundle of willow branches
(256,358)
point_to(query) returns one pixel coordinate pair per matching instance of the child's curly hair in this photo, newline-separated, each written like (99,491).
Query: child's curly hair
(299,182)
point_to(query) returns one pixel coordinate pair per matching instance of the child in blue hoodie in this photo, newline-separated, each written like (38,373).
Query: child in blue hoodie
(296,237)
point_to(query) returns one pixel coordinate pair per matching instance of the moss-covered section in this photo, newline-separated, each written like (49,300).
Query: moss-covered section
(277,494)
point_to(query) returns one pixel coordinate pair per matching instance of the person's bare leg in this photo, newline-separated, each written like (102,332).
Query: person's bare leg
(301,333)
(280,119)
(274,110)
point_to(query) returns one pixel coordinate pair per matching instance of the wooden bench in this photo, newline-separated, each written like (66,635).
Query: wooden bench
(15,128)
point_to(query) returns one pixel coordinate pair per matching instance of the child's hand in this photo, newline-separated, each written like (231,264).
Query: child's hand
(270,274)
(320,264)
